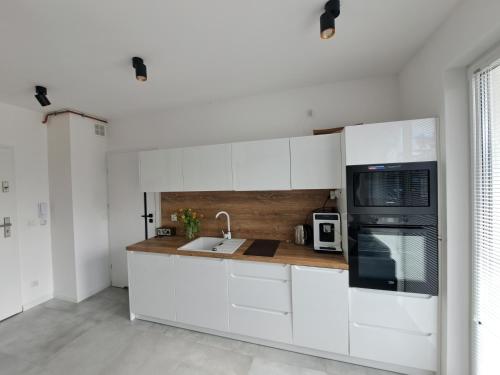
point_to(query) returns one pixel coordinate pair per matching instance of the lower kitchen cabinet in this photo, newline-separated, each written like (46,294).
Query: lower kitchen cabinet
(201,293)
(320,309)
(392,327)
(151,285)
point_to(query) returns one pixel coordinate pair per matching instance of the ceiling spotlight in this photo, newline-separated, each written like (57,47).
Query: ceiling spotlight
(41,96)
(327,20)
(140,69)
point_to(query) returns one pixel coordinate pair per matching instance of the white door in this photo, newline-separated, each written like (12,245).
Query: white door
(262,165)
(201,292)
(321,309)
(207,168)
(316,162)
(10,275)
(126,205)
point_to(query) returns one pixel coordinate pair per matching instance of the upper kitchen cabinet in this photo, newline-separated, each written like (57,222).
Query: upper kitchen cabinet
(393,142)
(316,162)
(261,165)
(161,170)
(207,168)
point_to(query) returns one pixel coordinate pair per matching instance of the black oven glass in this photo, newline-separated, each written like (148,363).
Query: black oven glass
(395,258)
(402,188)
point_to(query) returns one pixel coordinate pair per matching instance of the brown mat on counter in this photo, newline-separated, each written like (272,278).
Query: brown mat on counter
(263,248)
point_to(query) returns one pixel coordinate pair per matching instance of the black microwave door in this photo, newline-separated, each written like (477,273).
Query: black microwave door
(407,188)
(395,258)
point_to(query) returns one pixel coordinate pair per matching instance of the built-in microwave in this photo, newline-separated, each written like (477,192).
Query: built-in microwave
(392,189)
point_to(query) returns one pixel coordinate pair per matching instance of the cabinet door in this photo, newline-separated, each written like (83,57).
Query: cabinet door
(207,168)
(320,309)
(262,165)
(392,142)
(202,292)
(160,170)
(316,162)
(151,285)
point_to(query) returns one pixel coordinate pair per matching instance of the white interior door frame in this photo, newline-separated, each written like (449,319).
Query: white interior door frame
(10,265)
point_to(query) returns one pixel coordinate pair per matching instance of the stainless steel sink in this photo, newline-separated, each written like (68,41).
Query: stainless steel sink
(213,245)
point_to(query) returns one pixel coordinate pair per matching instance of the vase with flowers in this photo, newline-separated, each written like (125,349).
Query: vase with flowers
(191,221)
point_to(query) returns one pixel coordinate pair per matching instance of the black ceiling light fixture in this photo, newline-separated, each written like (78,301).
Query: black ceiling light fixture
(41,96)
(327,20)
(141,73)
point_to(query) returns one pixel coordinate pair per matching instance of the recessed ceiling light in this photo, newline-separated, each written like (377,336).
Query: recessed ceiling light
(41,96)
(327,19)
(141,73)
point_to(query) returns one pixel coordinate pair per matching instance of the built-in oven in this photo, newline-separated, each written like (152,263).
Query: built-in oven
(393,227)
(398,253)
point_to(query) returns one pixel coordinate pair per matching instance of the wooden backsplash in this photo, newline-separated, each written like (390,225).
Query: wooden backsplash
(254,214)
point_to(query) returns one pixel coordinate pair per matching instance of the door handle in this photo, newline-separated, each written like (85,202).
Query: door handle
(7,230)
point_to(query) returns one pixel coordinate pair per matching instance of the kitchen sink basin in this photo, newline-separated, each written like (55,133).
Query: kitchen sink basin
(213,245)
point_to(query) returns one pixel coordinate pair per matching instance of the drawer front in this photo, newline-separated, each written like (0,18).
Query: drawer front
(393,346)
(260,270)
(418,313)
(263,324)
(268,294)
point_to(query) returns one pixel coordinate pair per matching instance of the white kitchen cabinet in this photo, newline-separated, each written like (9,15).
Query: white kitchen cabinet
(316,162)
(207,168)
(201,293)
(320,309)
(151,285)
(261,165)
(160,170)
(393,327)
(392,142)
(260,300)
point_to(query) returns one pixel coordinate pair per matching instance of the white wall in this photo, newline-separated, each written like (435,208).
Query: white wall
(273,115)
(433,83)
(23,130)
(77,176)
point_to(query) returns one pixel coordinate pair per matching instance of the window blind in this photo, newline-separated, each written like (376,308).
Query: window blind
(486,222)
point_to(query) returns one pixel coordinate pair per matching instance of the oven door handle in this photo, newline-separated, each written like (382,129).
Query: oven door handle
(421,227)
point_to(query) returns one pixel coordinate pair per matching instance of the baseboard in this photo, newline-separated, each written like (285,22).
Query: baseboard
(37,301)
(291,347)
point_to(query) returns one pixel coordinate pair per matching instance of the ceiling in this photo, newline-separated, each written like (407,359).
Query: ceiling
(197,50)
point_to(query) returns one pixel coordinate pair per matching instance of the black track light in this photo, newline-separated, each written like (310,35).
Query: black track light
(141,73)
(41,96)
(327,19)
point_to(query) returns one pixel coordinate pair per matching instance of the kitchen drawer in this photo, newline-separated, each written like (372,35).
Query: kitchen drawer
(270,294)
(260,323)
(389,345)
(260,270)
(412,312)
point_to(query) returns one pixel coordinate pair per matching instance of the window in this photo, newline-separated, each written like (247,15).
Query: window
(486,221)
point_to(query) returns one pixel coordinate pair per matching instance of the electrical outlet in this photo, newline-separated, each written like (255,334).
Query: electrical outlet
(173,217)
(332,194)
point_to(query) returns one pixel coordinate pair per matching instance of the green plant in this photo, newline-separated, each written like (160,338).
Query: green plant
(191,221)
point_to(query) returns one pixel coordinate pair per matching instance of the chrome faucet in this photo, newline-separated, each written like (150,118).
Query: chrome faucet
(226,235)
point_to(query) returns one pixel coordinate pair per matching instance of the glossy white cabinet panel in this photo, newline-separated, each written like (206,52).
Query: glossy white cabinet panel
(160,170)
(260,323)
(261,165)
(320,309)
(151,285)
(394,346)
(201,292)
(411,312)
(392,142)
(260,293)
(207,168)
(260,270)
(316,162)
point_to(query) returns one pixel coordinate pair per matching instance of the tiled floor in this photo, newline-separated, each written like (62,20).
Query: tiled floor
(96,337)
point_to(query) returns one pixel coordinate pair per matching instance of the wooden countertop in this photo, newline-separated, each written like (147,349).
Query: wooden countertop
(287,253)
